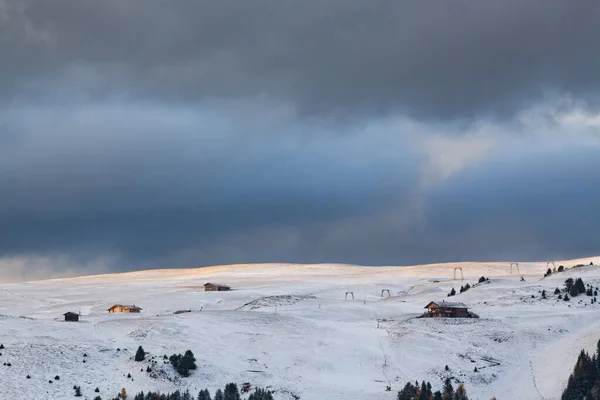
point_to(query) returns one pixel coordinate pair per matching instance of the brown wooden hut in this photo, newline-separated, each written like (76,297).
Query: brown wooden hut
(215,287)
(447,309)
(71,316)
(119,308)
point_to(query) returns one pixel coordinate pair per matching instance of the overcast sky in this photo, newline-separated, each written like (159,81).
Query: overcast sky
(157,134)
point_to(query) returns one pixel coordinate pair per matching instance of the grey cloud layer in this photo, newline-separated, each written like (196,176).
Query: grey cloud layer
(427,58)
(160,134)
(147,187)
(95,182)
(530,201)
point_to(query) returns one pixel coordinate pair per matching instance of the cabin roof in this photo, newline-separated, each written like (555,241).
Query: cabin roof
(125,306)
(70,313)
(215,284)
(447,304)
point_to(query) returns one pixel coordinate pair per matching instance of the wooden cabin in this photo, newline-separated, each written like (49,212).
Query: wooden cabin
(71,316)
(215,287)
(119,308)
(447,309)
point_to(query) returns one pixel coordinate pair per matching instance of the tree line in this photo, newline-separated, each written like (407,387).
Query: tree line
(584,382)
(230,392)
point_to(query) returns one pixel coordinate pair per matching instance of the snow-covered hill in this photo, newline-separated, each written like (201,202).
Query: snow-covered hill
(290,327)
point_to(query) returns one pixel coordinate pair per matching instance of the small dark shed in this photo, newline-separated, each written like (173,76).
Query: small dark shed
(71,316)
(215,287)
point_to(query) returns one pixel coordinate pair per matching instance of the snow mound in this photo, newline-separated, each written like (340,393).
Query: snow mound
(273,301)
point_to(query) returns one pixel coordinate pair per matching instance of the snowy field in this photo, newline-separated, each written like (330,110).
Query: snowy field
(289,327)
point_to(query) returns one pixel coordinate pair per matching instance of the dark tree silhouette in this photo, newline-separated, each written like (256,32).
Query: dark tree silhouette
(261,394)
(448,393)
(231,392)
(140,354)
(580,285)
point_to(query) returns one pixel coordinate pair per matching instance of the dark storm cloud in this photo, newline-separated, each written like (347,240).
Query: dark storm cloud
(537,204)
(435,59)
(160,134)
(147,182)
(125,186)
(524,204)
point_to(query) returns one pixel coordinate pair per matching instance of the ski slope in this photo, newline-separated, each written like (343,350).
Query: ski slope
(290,328)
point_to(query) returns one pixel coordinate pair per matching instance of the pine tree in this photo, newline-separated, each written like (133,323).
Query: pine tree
(140,355)
(438,395)
(461,393)
(183,364)
(566,298)
(569,283)
(598,355)
(448,390)
(407,393)
(580,285)
(219,395)
(261,394)
(77,391)
(424,393)
(574,291)
(231,392)
(584,378)
(557,291)
(190,355)
(204,395)
(176,395)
